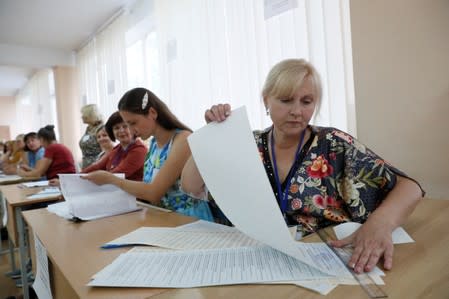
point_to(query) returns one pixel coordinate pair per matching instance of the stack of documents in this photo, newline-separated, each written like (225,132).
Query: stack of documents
(260,249)
(85,200)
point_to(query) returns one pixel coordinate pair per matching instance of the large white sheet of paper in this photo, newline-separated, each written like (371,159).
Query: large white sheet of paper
(88,201)
(41,283)
(197,268)
(241,187)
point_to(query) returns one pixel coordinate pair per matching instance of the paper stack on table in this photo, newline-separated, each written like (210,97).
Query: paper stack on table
(86,201)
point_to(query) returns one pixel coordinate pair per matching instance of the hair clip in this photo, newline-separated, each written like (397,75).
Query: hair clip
(145,101)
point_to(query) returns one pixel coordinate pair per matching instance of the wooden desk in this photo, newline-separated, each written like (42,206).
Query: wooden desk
(420,270)
(16,201)
(74,249)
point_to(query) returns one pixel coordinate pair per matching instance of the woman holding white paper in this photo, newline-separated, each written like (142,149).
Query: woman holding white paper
(322,176)
(148,117)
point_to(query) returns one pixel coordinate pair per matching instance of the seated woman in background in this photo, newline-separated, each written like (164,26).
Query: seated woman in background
(57,158)
(104,141)
(127,157)
(33,151)
(88,142)
(14,155)
(148,116)
(322,176)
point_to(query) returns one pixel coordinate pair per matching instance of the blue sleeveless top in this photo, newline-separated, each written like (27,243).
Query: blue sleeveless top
(34,157)
(174,199)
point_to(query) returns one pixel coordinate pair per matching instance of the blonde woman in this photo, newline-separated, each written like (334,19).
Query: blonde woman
(88,142)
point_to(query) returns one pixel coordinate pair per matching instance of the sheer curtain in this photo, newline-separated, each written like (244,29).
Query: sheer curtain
(37,102)
(194,53)
(221,51)
(101,67)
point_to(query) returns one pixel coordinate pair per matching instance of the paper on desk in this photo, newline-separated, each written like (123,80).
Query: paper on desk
(41,283)
(203,225)
(241,187)
(88,201)
(9,178)
(180,238)
(49,192)
(399,235)
(198,268)
(35,184)
(61,209)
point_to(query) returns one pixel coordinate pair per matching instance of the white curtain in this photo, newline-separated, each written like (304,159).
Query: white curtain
(194,53)
(213,51)
(101,68)
(36,104)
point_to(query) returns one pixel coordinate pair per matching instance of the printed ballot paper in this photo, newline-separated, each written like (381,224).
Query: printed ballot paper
(87,201)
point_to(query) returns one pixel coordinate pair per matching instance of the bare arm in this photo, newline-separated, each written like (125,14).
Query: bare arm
(373,239)
(191,180)
(167,176)
(41,168)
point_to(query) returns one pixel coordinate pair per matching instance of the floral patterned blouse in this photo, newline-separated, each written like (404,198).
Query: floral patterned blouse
(89,145)
(338,179)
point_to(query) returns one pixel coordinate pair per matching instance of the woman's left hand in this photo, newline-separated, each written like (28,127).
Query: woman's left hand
(372,241)
(99,177)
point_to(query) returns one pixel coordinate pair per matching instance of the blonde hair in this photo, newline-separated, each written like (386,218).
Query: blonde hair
(91,111)
(287,76)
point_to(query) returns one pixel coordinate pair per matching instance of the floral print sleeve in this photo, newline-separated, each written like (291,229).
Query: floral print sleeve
(338,179)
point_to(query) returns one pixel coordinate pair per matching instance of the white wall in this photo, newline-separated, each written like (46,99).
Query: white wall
(401,73)
(8,114)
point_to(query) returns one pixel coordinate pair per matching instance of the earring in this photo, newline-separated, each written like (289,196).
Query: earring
(268,111)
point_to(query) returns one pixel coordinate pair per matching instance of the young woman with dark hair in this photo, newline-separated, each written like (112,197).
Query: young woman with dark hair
(148,117)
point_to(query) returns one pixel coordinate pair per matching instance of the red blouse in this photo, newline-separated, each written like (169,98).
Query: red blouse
(129,161)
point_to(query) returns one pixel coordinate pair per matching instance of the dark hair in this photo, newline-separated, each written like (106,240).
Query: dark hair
(114,119)
(132,101)
(47,133)
(25,139)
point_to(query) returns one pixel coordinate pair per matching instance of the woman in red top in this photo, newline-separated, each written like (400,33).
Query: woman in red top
(126,157)
(57,158)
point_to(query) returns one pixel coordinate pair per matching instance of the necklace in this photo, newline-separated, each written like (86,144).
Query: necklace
(283,196)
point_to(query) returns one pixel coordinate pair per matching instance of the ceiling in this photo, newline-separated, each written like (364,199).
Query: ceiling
(44,33)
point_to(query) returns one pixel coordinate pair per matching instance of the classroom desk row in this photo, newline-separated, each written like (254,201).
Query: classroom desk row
(420,270)
(15,200)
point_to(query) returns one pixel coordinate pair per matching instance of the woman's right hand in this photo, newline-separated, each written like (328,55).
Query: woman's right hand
(217,113)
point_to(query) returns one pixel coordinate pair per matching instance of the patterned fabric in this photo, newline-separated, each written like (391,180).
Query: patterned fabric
(337,180)
(33,157)
(175,199)
(89,146)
